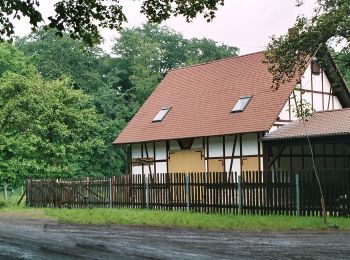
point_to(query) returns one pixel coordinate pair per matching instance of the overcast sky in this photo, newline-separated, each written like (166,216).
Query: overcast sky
(247,24)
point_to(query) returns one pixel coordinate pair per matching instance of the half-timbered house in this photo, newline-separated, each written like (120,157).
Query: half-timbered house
(212,117)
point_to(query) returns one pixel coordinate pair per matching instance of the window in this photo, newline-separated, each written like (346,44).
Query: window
(315,68)
(161,114)
(241,104)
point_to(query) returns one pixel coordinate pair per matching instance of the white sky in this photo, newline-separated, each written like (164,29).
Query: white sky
(247,24)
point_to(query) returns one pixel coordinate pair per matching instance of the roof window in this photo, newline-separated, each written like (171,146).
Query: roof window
(161,114)
(241,104)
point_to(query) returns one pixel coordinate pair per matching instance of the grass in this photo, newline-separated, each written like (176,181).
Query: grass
(193,220)
(142,217)
(12,200)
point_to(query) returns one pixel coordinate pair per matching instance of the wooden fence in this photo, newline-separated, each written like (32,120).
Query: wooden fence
(283,193)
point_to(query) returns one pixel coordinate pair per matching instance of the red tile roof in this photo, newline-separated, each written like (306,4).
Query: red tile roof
(319,124)
(201,98)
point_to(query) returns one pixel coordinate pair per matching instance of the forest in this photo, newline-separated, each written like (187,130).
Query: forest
(62,102)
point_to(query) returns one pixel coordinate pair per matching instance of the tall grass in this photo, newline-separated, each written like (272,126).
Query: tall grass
(12,199)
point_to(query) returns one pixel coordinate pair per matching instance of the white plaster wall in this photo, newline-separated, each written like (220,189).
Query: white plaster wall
(318,102)
(148,168)
(249,144)
(306,78)
(326,84)
(149,150)
(161,151)
(136,170)
(236,165)
(317,81)
(327,102)
(161,167)
(136,151)
(229,140)
(284,115)
(337,104)
(215,146)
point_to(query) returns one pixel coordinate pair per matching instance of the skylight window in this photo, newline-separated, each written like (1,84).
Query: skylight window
(241,104)
(161,114)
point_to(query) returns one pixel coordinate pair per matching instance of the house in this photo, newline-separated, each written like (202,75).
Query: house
(213,117)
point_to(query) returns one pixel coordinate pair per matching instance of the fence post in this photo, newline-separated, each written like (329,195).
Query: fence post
(147,190)
(239,194)
(297,191)
(110,193)
(187,192)
(27,194)
(5,189)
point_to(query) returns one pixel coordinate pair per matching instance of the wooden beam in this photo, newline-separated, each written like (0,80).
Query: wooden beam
(233,152)
(274,158)
(149,166)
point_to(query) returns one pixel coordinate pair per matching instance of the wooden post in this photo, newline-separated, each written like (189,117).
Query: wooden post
(187,192)
(240,194)
(147,190)
(110,193)
(297,191)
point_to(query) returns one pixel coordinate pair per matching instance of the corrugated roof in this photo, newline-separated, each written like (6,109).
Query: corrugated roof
(325,123)
(201,98)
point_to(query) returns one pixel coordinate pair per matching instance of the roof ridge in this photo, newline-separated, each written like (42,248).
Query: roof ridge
(215,61)
(334,110)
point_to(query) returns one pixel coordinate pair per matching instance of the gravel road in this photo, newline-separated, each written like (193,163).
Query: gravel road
(34,238)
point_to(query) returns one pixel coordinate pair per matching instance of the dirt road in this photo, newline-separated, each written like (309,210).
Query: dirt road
(32,238)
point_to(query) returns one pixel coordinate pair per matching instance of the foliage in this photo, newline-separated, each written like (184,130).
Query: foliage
(288,55)
(46,127)
(92,71)
(302,109)
(342,59)
(192,220)
(82,19)
(145,54)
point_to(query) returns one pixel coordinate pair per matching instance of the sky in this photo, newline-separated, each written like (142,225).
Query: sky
(246,24)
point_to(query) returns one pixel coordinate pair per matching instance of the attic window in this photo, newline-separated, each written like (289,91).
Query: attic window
(161,114)
(241,104)
(315,68)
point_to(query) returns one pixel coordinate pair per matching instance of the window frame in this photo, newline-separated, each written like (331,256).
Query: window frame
(156,119)
(249,98)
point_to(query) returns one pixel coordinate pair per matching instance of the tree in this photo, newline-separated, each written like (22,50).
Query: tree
(94,72)
(145,54)
(289,55)
(342,59)
(46,127)
(82,19)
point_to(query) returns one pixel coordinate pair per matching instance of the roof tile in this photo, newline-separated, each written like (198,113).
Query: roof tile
(325,123)
(202,97)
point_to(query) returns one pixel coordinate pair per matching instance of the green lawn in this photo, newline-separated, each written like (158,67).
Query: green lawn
(171,218)
(193,220)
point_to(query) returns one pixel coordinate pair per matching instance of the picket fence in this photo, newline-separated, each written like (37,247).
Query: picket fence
(281,192)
